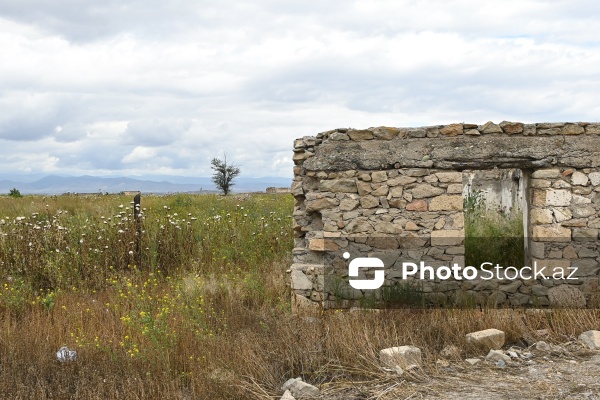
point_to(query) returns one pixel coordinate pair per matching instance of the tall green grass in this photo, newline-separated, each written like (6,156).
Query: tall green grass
(492,235)
(63,241)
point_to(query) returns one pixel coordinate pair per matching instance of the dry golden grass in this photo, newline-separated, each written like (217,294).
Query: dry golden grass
(210,328)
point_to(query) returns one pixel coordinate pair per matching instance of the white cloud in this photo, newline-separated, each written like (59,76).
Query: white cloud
(139,154)
(162,87)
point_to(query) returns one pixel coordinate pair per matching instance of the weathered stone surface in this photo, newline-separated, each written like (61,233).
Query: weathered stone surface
(320,204)
(579,178)
(287,395)
(449,177)
(388,227)
(358,225)
(551,234)
(338,137)
(379,176)
(369,201)
(591,339)
(455,188)
(546,173)
(381,190)
(586,267)
(364,134)
(299,389)
(446,203)
(488,339)
(447,237)
(406,184)
(349,204)
(417,205)
(322,245)
(540,183)
(300,281)
(452,130)
(401,180)
(396,192)
(566,296)
(594,178)
(584,235)
(411,226)
(363,188)
(426,190)
(558,197)
(385,132)
(561,214)
(497,355)
(338,185)
(490,127)
(402,356)
(572,129)
(511,127)
(540,216)
(529,152)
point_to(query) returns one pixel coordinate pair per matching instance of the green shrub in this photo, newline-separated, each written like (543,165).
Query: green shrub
(495,236)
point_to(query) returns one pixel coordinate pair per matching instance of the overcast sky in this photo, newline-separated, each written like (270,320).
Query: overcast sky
(133,87)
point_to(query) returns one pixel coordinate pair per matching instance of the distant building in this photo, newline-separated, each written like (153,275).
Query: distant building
(274,190)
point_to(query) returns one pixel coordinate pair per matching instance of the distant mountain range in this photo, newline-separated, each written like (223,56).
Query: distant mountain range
(156,184)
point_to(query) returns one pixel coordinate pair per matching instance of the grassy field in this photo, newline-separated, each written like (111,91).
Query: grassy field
(192,303)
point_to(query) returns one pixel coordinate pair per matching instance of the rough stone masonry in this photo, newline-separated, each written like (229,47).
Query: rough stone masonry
(396,194)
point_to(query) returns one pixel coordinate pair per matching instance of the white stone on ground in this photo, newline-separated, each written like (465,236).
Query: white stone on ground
(488,339)
(402,356)
(591,339)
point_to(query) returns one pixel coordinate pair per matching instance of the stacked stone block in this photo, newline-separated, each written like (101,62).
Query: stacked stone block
(396,194)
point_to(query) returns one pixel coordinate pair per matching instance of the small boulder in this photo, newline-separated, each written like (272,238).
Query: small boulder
(300,389)
(497,355)
(591,339)
(402,356)
(287,396)
(488,339)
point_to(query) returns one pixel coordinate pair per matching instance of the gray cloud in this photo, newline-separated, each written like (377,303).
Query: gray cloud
(132,87)
(155,132)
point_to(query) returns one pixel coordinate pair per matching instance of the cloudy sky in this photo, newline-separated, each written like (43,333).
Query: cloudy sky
(134,87)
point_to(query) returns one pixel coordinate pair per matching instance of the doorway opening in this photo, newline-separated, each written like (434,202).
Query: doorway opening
(495,208)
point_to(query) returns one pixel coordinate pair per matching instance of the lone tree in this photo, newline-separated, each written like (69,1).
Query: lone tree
(224,174)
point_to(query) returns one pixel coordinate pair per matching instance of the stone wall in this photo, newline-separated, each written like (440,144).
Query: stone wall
(397,194)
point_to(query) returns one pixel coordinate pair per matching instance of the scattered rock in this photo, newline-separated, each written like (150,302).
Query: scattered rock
(287,396)
(488,339)
(402,356)
(497,355)
(591,339)
(300,389)
(450,351)
(473,361)
(566,296)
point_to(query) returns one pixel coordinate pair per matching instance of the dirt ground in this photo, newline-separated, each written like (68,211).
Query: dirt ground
(569,373)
